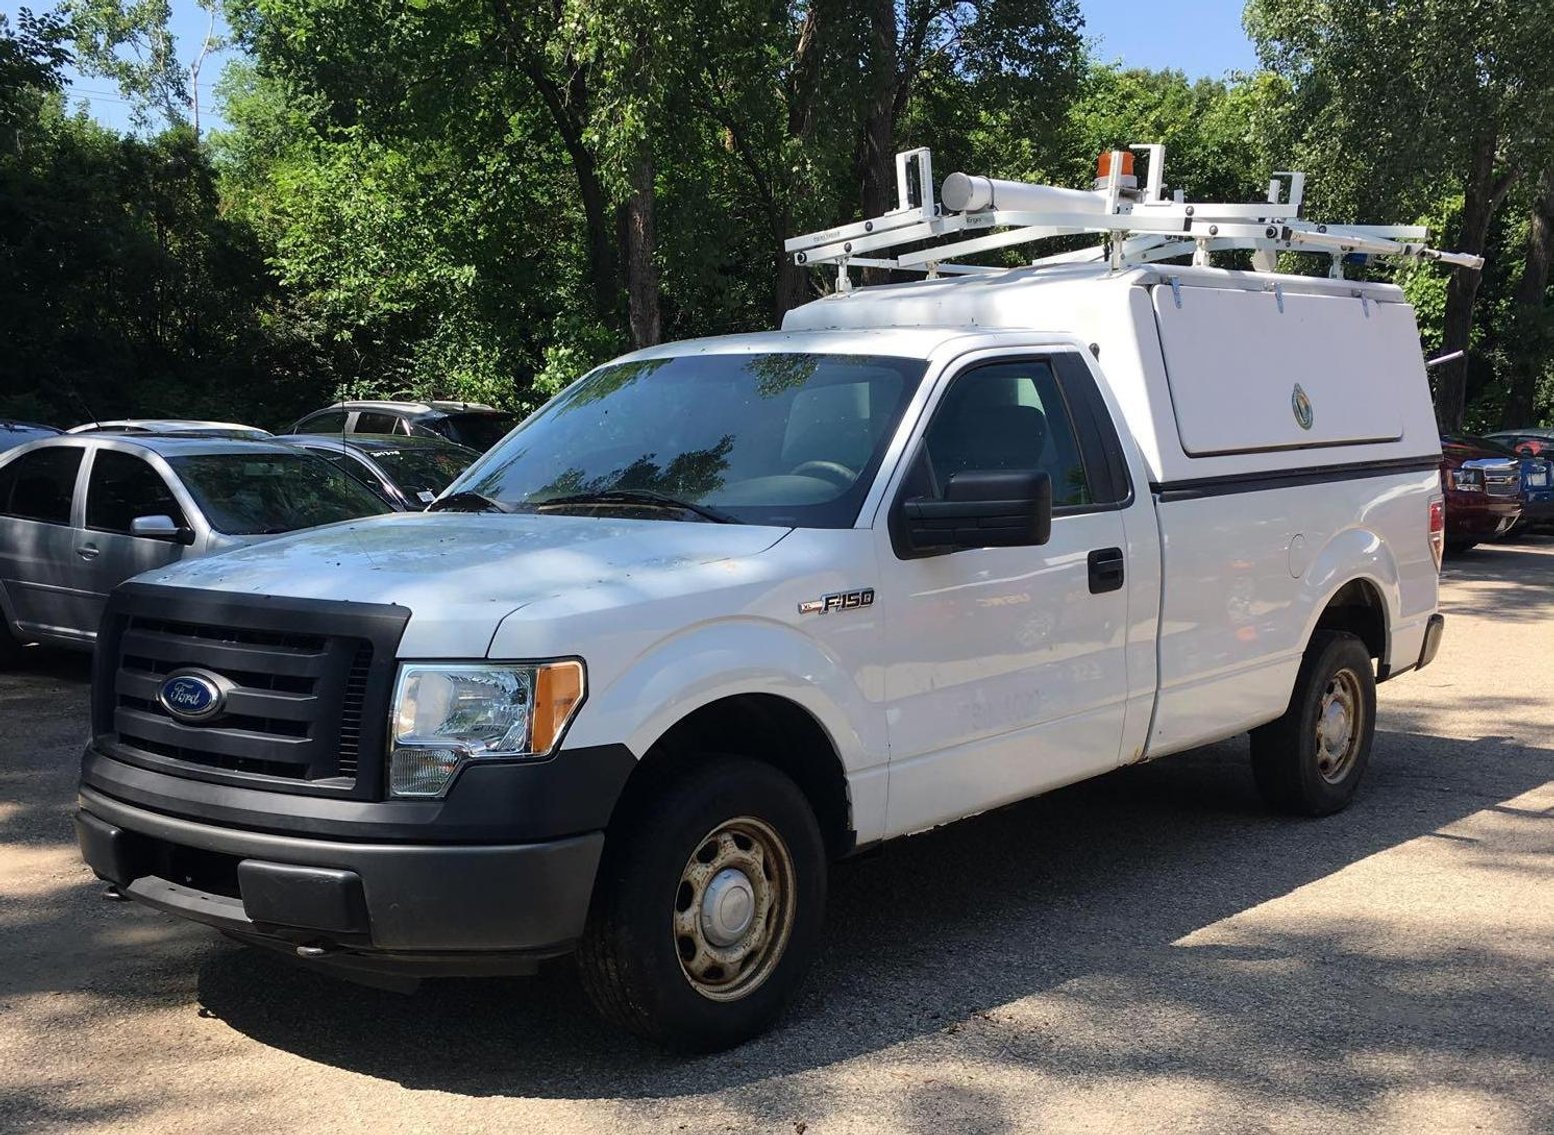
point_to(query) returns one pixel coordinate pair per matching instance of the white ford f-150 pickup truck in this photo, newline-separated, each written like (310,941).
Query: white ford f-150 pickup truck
(726,610)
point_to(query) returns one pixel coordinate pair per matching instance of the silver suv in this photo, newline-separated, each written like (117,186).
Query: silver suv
(468,423)
(81,513)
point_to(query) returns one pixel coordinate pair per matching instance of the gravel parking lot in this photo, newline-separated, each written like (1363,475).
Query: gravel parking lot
(1146,952)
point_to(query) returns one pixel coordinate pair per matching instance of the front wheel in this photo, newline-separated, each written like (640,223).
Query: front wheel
(1310,761)
(708,909)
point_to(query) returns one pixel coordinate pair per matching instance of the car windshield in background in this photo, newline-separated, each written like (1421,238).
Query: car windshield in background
(789,439)
(246,494)
(478,431)
(418,471)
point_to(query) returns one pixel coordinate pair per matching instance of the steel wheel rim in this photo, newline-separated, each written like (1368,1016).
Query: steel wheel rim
(740,863)
(1340,725)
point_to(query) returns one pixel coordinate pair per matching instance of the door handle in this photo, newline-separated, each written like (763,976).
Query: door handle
(88,551)
(1106,570)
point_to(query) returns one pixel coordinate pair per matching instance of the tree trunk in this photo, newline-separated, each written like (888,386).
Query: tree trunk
(1532,317)
(566,101)
(1483,192)
(641,269)
(877,139)
(603,254)
(792,286)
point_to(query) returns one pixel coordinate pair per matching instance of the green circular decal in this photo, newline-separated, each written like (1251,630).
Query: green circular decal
(1302,407)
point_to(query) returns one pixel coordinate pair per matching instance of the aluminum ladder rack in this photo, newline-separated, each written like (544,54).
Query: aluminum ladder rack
(1140,225)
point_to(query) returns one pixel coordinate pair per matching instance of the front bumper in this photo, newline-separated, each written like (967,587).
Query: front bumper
(445,909)
(1481,522)
(1537,512)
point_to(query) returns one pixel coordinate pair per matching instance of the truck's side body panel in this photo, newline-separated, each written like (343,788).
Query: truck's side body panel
(1248,573)
(1262,516)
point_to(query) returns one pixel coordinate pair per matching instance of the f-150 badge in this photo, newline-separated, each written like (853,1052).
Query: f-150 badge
(838,601)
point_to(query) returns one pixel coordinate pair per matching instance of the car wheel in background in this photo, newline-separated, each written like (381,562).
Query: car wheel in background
(1310,761)
(11,647)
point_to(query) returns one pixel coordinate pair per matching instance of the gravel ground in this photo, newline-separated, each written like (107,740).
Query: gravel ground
(1149,951)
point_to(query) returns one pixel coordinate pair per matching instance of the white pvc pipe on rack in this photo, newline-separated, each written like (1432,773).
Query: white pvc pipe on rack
(966,193)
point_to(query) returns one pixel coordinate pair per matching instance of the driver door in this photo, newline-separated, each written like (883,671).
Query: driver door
(120,488)
(1007,673)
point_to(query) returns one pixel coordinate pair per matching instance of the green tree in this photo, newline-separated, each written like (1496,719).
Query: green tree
(132,43)
(1400,100)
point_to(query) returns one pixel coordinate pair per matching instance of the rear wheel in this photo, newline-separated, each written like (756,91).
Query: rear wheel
(1310,761)
(708,909)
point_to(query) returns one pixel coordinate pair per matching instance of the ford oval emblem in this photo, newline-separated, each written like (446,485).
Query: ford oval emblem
(192,695)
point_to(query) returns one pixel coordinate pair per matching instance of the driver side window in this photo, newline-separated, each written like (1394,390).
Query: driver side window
(1001,418)
(123,487)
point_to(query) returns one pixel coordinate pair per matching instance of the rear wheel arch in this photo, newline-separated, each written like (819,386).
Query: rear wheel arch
(1358,608)
(764,727)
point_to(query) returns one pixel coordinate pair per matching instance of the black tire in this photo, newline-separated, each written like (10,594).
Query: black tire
(1293,758)
(630,958)
(1457,547)
(11,647)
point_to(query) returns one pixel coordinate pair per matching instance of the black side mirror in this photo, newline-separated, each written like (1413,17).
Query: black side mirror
(981,510)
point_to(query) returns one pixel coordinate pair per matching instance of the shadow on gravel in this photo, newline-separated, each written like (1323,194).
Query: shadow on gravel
(1086,888)
(43,708)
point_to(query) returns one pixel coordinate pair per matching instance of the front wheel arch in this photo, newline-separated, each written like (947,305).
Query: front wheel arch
(763,727)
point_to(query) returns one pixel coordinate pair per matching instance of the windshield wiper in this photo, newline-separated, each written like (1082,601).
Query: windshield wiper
(467,501)
(648,497)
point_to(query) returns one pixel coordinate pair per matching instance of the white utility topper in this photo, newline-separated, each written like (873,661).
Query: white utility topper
(727,609)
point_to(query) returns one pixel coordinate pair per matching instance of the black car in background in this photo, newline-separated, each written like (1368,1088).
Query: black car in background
(407,472)
(468,423)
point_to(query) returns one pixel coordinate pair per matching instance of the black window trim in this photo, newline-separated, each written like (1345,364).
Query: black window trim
(1095,434)
(1100,446)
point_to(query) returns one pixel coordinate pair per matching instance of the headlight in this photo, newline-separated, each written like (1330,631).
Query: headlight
(1467,480)
(446,716)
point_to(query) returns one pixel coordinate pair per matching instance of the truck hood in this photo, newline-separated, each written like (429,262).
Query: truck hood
(460,574)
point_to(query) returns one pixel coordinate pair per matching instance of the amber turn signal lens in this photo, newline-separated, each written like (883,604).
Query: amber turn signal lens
(558,687)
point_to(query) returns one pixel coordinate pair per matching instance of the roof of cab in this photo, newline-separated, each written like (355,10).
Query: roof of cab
(895,342)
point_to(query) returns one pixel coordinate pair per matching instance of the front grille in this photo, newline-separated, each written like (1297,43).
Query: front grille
(351,709)
(307,686)
(1503,484)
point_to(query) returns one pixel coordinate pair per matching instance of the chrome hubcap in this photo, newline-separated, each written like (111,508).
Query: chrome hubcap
(728,907)
(734,909)
(1339,726)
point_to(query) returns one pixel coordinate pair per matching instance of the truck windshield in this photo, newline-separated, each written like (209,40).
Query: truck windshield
(244,494)
(782,439)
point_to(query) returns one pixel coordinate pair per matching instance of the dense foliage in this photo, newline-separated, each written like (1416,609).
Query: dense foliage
(480,198)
